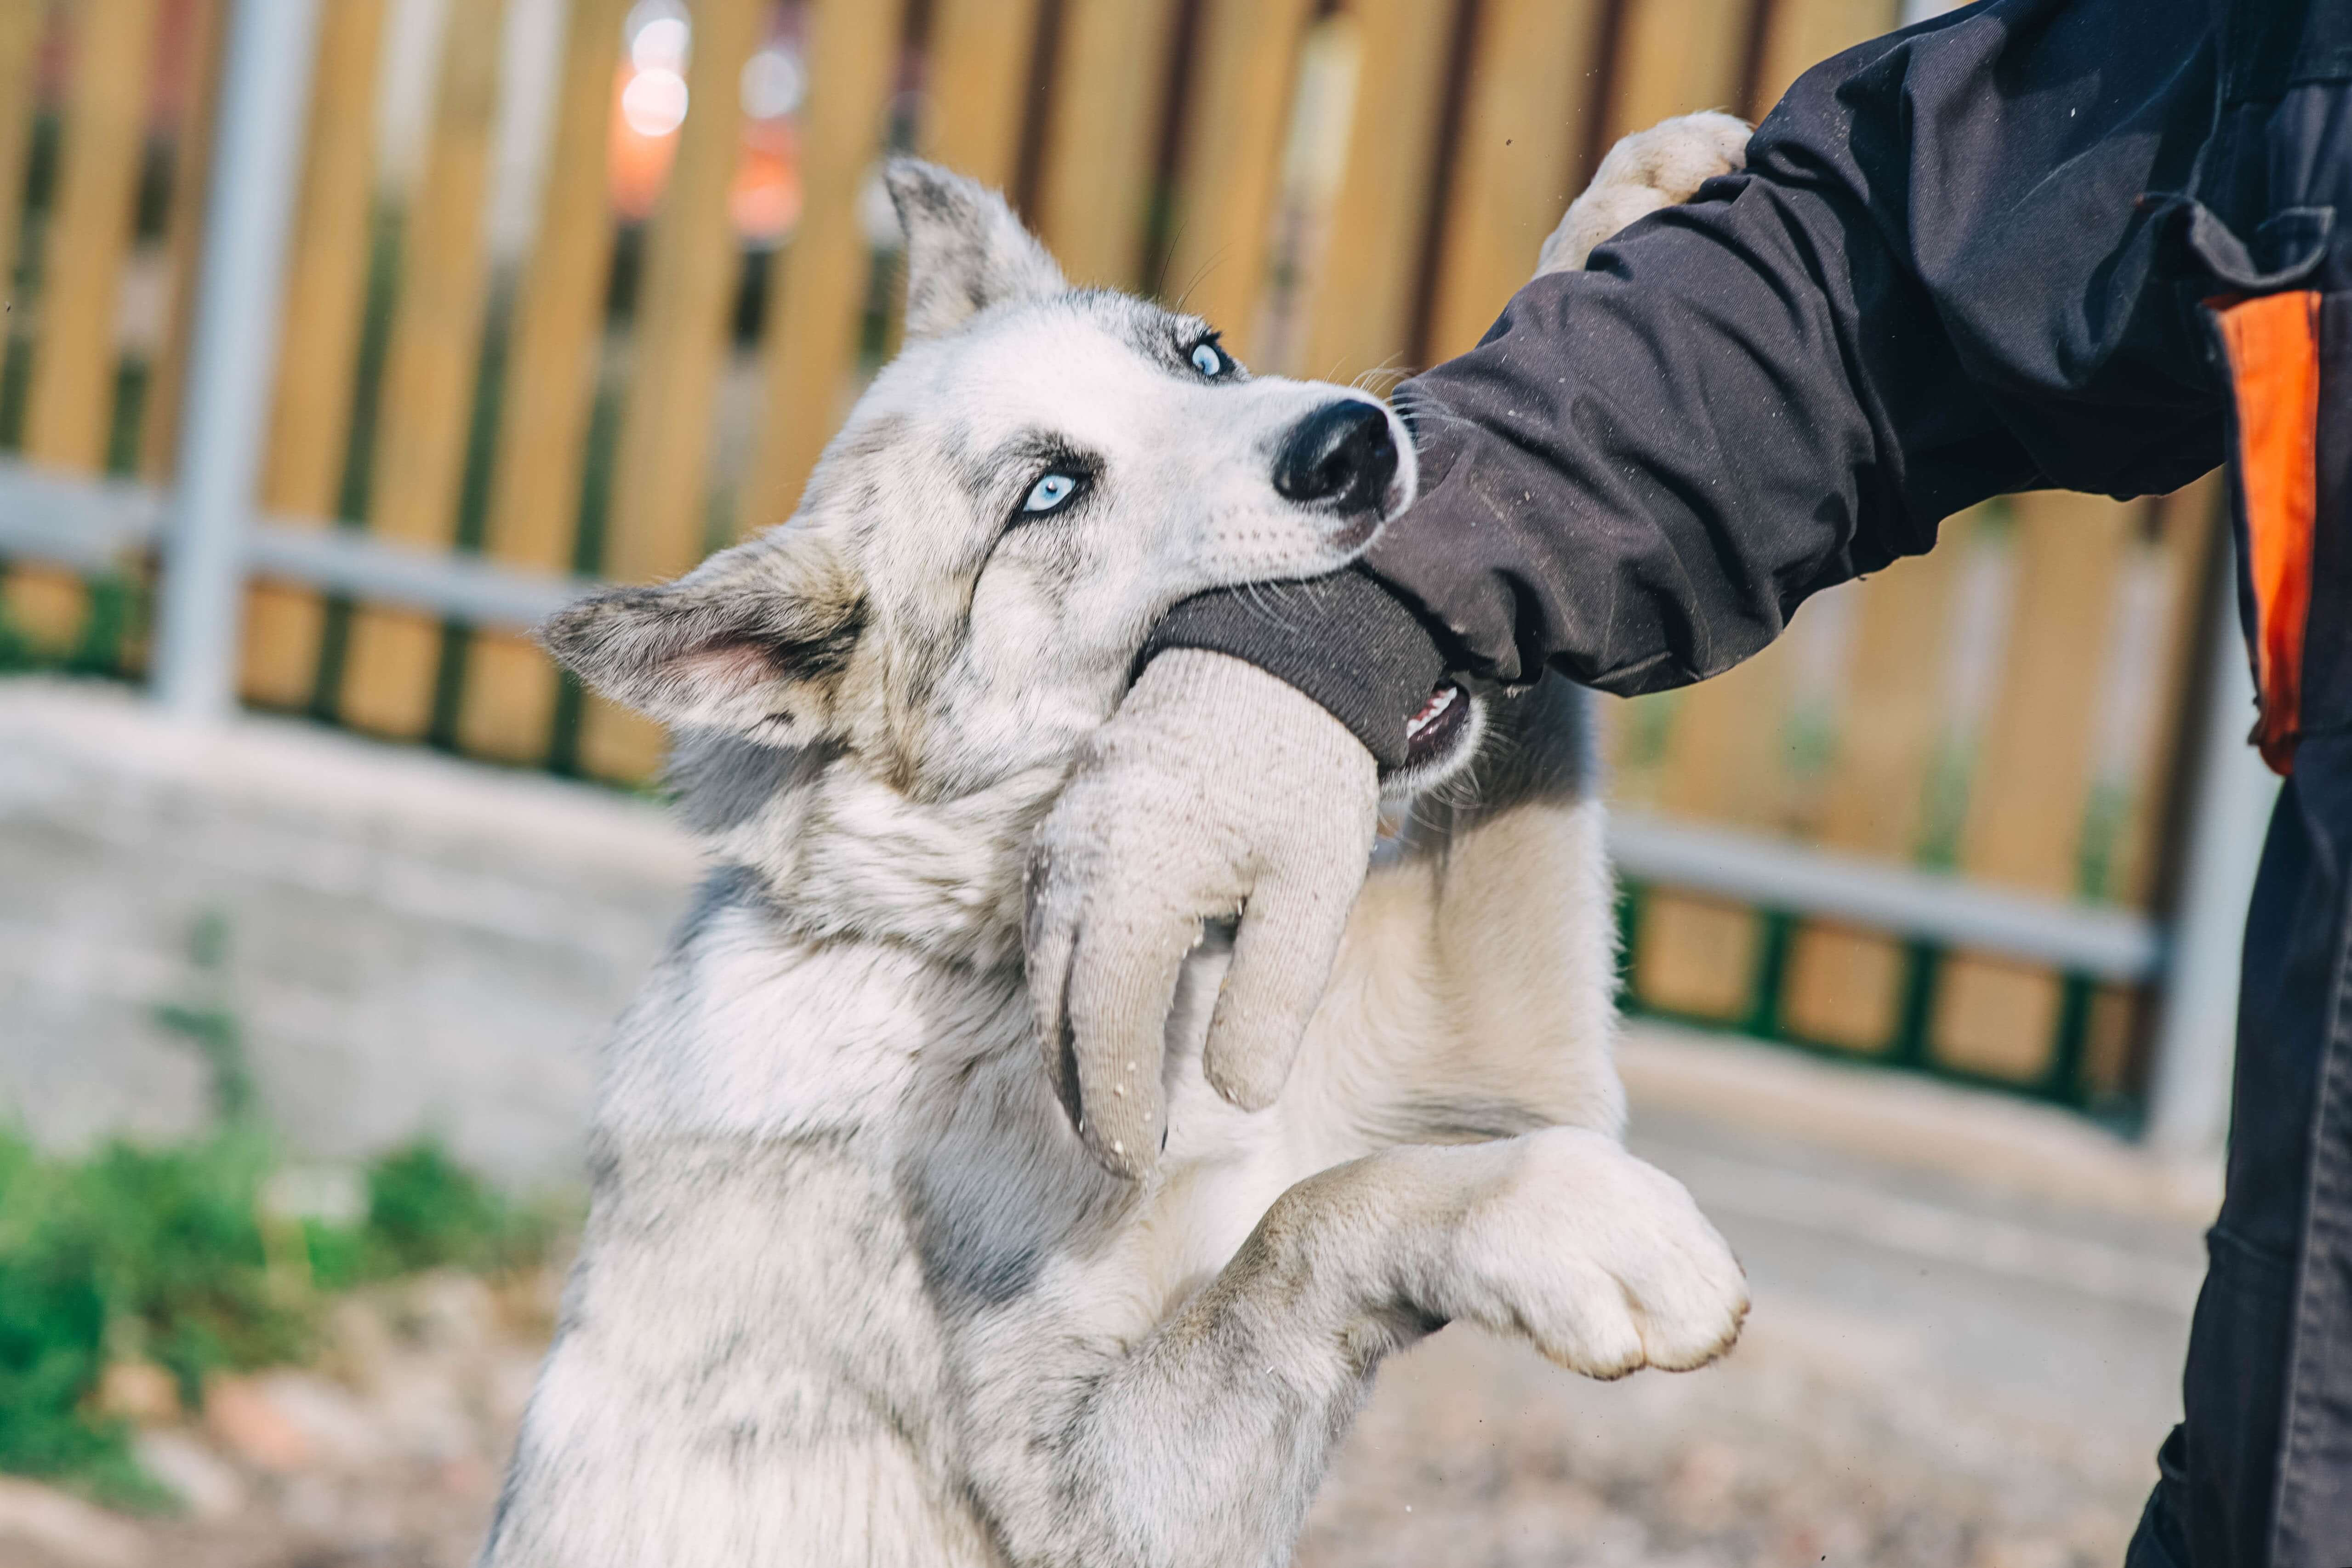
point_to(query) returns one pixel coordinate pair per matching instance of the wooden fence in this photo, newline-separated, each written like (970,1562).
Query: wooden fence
(482,350)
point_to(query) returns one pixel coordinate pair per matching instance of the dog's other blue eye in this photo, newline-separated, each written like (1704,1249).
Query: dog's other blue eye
(1207,360)
(1049,493)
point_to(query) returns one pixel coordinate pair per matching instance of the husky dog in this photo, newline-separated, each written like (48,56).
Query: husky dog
(851,1288)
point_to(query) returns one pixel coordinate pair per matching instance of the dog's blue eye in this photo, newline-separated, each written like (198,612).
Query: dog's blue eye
(1207,360)
(1050,493)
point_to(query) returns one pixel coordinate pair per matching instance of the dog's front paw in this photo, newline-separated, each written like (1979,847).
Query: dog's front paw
(1650,169)
(1603,1261)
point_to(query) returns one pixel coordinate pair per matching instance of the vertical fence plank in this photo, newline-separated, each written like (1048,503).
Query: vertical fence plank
(319,340)
(679,340)
(2186,524)
(2028,789)
(1094,198)
(1675,56)
(1723,764)
(72,400)
(21,26)
(1800,34)
(428,374)
(509,702)
(976,87)
(192,153)
(1361,317)
(1525,126)
(1232,162)
(817,282)
(1844,986)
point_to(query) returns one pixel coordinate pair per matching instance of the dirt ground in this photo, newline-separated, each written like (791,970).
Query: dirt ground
(1965,1348)
(1821,1440)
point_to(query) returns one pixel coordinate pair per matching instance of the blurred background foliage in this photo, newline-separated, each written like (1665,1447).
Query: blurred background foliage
(210,1256)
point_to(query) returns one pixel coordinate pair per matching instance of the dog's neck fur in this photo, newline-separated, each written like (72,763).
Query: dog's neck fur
(843,853)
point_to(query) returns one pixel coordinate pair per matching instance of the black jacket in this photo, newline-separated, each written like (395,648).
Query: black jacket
(1947,273)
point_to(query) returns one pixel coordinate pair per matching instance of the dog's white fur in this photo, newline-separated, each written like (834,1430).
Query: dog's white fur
(851,1290)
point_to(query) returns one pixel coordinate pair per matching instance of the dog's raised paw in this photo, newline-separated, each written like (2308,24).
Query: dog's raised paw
(1601,1260)
(1648,170)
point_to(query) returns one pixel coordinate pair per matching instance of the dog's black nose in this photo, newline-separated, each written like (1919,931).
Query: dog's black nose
(1339,455)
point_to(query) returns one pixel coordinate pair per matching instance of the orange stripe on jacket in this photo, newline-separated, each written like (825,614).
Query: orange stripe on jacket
(2272,343)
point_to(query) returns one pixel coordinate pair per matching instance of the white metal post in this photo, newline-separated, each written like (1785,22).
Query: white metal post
(256,165)
(2197,1032)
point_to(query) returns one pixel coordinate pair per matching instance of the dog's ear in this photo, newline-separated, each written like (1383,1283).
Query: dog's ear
(965,250)
(752,642)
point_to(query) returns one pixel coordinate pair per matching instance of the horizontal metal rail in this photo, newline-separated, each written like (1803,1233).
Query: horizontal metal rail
(97,526)
(2100,941)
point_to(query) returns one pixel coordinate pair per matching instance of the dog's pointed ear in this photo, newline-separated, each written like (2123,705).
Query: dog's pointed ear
(752,642)
(965,250)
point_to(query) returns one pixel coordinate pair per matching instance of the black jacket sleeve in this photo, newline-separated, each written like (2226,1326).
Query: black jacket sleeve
(1939,280)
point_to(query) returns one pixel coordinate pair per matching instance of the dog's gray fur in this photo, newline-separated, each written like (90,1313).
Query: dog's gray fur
(851,1290)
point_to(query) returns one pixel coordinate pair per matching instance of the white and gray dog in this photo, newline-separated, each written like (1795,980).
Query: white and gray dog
(851,1290)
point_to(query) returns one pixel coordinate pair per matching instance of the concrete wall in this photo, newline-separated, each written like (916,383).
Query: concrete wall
(411,943)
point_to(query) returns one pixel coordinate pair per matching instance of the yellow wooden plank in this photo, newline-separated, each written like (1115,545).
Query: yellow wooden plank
(318,340)
(1360,318)
(1844,987)
(976,86)
(1675,56)
(551,388)
(1232,161)
(1530,94)
(660,478)
(1696,956)
(22,23)
(159,435)
(72,394)
(2028,789)
(2025,801)
(2187,523)
(2118,1017)
(1094,196)
(429,371)
(817,283)
(1725,766)
(1800,34)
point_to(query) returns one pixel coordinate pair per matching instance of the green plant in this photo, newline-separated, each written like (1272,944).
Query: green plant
(152,1253)
(170,1255)
(174,1254)
(426,1211)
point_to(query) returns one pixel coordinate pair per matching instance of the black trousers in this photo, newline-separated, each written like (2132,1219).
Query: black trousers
(2259,1475)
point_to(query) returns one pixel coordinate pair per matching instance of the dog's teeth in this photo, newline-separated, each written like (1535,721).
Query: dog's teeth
(1430,710)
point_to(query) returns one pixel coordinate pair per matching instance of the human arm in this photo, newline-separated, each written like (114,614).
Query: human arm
(1934,282)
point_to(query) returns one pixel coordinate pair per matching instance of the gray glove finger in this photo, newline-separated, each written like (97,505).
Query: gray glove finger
(1051,939)
(1289,937)
(1122,982)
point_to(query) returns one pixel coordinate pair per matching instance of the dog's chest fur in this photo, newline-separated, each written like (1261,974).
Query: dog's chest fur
(818,1164)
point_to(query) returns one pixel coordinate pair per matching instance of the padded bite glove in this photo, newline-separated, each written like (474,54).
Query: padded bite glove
(1215,789)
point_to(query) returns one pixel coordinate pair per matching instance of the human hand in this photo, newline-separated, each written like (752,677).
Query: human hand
(1216,788)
